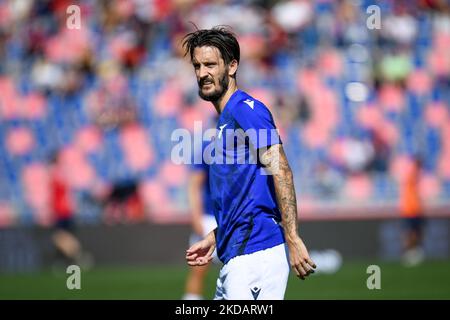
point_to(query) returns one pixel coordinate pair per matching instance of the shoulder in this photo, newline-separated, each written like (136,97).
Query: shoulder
(247,105)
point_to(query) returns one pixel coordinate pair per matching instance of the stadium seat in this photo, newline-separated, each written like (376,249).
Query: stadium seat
(314,135)
(430,187)
(330,63)
(135,144)
(419,82)
(88,139)
(436,114)
(173,175)
(444,165)
(155,197)
(69,45)
(391,98)
(358,187)
(20,141)
(168,101)
(33,178)
(79,172)
(191,115)
(369,116)
(33,106)
(7,215)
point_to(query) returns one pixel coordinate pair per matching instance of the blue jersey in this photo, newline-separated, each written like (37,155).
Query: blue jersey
(206,192)
(242,192)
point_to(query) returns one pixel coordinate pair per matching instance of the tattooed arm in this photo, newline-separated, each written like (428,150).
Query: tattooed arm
(274,159)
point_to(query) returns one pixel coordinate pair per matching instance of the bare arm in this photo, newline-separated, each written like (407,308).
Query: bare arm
(196,182)
(276,163)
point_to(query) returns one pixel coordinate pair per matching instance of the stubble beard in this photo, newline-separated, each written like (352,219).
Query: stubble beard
(218,93)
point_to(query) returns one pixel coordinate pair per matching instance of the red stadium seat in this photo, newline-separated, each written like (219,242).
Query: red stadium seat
(252,46)
(430,186)
(439,61)
(9,99)
(388,132)
(68,45)
(135,144)
(265,96)
(444,165)
(330,63)
(436,114)
(155,197)
(88,139)
(33,106)
(314,135)
(205,107)
(337,151)
(173,175)
(34,177)
(79,172)
(358,187)
(369,116)
(324,108)
(400,166)
(7,215)
(189,116)
(20,141)
(392,98)
(308,81)
(168,101)
(442,40)
(419,82)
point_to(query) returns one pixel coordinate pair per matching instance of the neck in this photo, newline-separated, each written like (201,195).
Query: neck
(222,101)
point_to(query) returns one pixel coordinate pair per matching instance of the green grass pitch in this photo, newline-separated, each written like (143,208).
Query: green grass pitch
(431,280)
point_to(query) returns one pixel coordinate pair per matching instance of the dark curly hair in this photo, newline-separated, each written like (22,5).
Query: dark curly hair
(220,37)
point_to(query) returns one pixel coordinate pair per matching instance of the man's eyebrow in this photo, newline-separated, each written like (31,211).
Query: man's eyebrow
(195,62)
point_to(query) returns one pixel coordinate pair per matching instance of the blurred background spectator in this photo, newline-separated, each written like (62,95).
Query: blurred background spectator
(411,209)
(68,247)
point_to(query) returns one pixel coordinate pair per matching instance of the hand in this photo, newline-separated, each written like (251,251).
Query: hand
(299,258)
(200,253)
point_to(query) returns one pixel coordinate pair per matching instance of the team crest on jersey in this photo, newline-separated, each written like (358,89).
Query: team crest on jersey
(221,129)
(250,103)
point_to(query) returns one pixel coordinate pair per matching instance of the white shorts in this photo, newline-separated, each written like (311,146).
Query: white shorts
(262,275)
(209,224)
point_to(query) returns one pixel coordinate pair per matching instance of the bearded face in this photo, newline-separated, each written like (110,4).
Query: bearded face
(211,72)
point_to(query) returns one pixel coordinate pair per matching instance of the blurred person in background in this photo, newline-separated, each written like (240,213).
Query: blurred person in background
(411,209)
(203,222)
(123,204)
(62,206)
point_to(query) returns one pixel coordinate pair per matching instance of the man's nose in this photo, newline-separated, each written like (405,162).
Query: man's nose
(203,72)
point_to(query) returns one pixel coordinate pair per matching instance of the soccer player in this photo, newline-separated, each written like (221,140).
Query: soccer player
(411,210)
(62,206)
(254,203)
(203,222)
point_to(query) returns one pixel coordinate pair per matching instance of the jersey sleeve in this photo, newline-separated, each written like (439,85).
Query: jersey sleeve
(257,122)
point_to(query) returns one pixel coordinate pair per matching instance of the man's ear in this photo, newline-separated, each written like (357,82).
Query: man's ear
(232,69)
